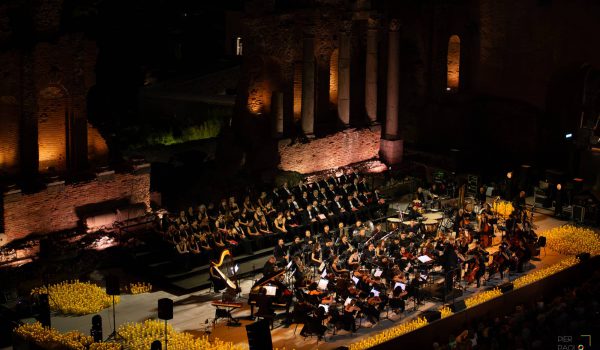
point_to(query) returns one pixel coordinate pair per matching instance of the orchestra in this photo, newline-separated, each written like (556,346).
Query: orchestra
(361,270)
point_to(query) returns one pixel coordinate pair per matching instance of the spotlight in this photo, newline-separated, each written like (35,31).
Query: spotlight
(568,136)
(509,175)
(559,187)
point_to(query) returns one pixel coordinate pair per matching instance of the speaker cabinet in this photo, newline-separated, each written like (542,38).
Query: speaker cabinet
(44,310)
(458,306)
(259,335)
(431,315)
(165,309)
(112,285)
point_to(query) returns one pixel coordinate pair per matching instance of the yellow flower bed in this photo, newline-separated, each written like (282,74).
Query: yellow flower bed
(76,298)
(545,272)
(571,240)
(389,334)
(482,297)
(105,346)
(139,336)
(139,288)
(504,208)
(50,338)
(446,311)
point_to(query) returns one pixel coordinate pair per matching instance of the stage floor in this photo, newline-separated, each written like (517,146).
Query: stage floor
(194,313)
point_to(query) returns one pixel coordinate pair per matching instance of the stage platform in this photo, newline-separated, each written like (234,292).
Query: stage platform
(194,313)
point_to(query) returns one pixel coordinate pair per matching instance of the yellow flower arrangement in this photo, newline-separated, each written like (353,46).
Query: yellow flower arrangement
(105,346)
(482,297)
(446,311)
(388,334)
(545,272)
(76,298)
(50,338)
(571,240)
(139,336)
(139,288)
(504,208)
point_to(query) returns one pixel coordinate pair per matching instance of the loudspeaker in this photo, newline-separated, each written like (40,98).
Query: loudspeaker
(44,310)
(156,345)
(431,315)
(96,331)
(583,256)
(112,285)
(165,309)
(458,306)
(259,335)
(506,287)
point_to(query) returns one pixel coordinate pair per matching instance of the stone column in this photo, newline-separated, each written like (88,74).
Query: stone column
(308,85)
(277,112)
(391,148)
(344,79)
(371,72)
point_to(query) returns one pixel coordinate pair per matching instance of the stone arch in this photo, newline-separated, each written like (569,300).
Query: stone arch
(333,79)
(453,64)
(9,134)
(54,125)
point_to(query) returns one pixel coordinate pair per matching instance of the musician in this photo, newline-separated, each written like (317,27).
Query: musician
(327,251)
(519,202)
(360,238)
(309,218)
(270,266)
(326,234)
(280,252)
(336,265)
(368,255)
(420,195)
(449,264)
(353,260)
(315,256)
(338,208)
(296,247)
(343,245)
(480,261)
(481,196)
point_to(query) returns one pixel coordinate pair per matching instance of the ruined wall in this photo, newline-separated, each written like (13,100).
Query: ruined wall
(54,208)
(333,151)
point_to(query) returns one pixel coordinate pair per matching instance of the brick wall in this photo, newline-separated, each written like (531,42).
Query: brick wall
(329,152)
(54,208)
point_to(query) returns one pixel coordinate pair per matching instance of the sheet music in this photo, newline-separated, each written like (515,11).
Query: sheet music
(378,273)
(236,268)
(355,280)
(326,307)
(407,267)
(424,258)
(348,301)
(271,290)
(322,266)
(322,285)
(289,264)
(423,277)
(401,285)
(375,292)
(324,273)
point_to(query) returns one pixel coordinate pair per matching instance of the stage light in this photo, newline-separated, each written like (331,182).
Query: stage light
(559,187)
(509,175)
(568,136)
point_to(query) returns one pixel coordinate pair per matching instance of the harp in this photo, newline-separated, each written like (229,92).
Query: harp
(223,272)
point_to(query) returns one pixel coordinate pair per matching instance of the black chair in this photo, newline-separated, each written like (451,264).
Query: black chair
(542,243)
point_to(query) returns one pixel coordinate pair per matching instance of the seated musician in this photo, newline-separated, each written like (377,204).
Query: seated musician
(336,265)
(270,266)
(368,255)
(327,251)
(372,308)
(351,311)
(280,252)
(280,225)
(256,237)
(481,196)
(296,247)
(353,260)
(343,245)
(360,239)
(397,299)
(315,256)
(380,250)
